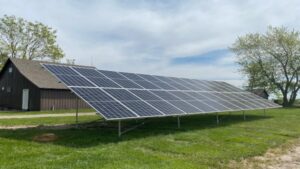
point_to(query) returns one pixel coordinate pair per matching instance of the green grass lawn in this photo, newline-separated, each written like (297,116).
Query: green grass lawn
(45,112)
(200,143)
(48,120)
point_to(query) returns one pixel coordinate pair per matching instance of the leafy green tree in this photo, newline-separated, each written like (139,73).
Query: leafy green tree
(271,61)
(27,40)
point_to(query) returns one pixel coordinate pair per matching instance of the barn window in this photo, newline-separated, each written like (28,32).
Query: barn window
(10,69)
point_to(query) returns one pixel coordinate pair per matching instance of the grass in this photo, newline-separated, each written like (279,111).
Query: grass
(45,112)
(47,120)
(200,143)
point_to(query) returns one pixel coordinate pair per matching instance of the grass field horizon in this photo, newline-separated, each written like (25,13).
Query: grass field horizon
(199,143)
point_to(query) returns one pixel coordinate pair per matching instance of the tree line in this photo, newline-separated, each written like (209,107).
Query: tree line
(23,39)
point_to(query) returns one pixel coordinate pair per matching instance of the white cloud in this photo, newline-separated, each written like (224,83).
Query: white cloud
(143,36)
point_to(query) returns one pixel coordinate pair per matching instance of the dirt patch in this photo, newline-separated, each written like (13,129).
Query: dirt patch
(46,137)
(285,157)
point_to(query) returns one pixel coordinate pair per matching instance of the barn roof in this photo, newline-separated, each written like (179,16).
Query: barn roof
(39,76)
(259,91)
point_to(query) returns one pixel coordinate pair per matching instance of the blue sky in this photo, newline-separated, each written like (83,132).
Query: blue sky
(187,38)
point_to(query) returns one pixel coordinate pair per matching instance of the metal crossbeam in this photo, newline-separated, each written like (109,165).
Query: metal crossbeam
(120,132)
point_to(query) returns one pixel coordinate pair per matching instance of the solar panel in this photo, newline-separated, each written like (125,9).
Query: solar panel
(112,110)
(142,108)
(121,95)
(92,94)
(203,106)
(166,108)
(103,82)
(145,95)
(71,80)
(146,84)
(186,107)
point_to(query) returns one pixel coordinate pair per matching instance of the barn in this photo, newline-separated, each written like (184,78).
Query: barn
(26,85)
(260,92)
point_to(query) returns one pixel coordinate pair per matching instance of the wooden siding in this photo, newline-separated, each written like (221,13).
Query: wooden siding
(60,99)
(17,82)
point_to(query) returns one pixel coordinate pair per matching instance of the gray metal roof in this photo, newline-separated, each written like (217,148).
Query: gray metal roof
(37,74)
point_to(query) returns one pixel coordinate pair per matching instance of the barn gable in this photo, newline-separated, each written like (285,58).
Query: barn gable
(45,91)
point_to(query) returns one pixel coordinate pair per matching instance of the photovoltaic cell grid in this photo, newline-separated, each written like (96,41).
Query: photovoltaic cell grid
(120,95)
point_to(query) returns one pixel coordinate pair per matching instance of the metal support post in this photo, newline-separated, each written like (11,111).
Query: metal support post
(178,122)
(264,112)
(244,115)
(217,118)
(77,111)
(119,129)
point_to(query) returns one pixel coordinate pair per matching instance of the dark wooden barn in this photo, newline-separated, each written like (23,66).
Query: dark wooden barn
(260,92)
(26,85)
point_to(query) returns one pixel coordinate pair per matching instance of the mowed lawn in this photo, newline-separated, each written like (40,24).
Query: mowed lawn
(199,143)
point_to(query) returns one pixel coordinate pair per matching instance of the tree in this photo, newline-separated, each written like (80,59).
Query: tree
(271,61)
(27,40)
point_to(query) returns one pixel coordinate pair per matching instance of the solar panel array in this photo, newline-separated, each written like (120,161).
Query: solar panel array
(119,95)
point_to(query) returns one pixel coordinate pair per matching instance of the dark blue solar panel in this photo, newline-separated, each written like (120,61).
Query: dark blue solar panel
(229,104)
(201,85)
(112,110)
(165,95)
(92,94)
(198,95)
(212,96)
(145,95)
(171,82)
(240,105)
(142,108)
(179,86)
(74,80)
(148,77)
(203,106)
(122,94)
(251,104)
(163,85)
(103,82)
(89,72)
(188,108)
(127,84)
(224,96)
(111,74)
(146,84)
(182,95)
(165,107)
(131,76)
(165,79)
(212,86)
(60,70)
(184,83)
(216,105)
(267,103)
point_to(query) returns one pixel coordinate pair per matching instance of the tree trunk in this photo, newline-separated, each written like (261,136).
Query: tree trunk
(289,102)
(292,98)
(285,102)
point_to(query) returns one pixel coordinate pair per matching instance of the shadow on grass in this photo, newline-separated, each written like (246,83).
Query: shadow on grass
(105,134)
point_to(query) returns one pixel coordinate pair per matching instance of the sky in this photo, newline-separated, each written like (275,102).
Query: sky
(188,38)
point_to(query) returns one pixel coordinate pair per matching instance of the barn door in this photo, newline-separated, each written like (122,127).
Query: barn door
(25,99)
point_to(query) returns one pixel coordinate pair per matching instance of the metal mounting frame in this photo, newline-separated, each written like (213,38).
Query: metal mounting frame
(120,132)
